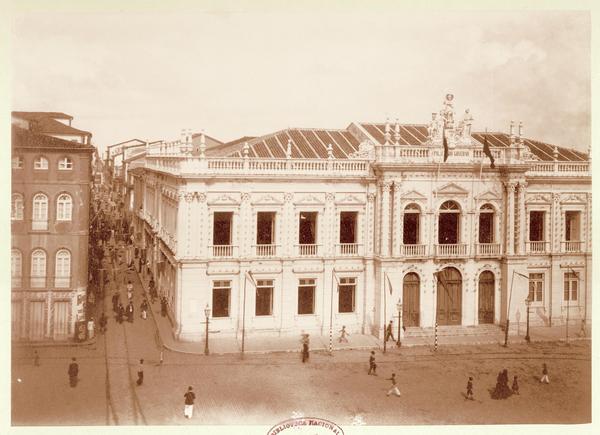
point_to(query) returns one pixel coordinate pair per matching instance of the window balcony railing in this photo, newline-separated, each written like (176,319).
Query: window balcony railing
(451,250)
(62,281)
(538,247)
(347,249)
(39,225)
(15,281)
(37,281)
(413,250)
(488,249)
(571,246)
(308,250)
(222,251)
(266,250)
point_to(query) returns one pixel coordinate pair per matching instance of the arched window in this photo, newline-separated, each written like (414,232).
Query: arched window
(38,268)
(411,227)
(64,207)
(16,211)
(40,212)
(63,269)
(65,164)
(16,264)
(449,223)
(17,162)
(40,163)
(486,224)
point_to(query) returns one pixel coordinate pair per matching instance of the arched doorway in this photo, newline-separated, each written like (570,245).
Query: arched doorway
(486,297)
(449,297)
(411,300)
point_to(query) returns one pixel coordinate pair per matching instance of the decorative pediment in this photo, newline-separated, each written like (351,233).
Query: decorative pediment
(538,198)
(268,199)
(573,198)
(224,199)
(413,195)
(451,190)
(488,195)
(309,199)
(350,199)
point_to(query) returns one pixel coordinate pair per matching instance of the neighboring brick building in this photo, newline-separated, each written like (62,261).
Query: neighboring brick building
(51,177)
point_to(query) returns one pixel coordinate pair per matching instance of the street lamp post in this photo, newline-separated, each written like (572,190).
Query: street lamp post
(207,314)
(399,307)
(528,304)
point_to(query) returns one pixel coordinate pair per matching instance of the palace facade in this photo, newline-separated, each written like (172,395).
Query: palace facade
(312,229)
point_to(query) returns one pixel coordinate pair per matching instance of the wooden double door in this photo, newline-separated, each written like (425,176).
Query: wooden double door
(411,300)
(449,297)
(486,297)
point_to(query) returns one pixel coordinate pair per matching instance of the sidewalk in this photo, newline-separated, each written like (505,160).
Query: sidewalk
(231,345)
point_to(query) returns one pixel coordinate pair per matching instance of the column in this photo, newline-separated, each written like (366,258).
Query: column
(397,219)
(510,218)
(384,250)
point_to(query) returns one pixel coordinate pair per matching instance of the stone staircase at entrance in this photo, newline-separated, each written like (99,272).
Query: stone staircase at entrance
(448,331)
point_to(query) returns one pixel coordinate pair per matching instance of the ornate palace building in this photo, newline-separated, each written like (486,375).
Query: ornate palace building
(311,229)
(51,180)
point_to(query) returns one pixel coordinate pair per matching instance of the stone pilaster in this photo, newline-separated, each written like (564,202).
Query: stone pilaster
(385,187)
(202,228)
(397,219)
(521,229)
(369,227)
(555,235)
(289,227)
(245,228)
(510,218)
(329,238)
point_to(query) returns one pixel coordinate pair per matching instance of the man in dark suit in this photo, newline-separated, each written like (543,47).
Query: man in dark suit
(73,372)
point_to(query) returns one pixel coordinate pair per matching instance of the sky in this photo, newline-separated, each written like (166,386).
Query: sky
(234,72)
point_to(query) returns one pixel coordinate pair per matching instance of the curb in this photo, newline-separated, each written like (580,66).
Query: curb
(54,344)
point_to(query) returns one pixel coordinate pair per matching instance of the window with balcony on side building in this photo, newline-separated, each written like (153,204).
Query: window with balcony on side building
(40,212)
(536,226)
(449,223)
(38,269)
(346,295)
(264,297)
(63,269)
(306,296)
(486,224)
(222,231)
(16,211)
(410,233)
(307,233)
(536,287)
(16,264)
(265,233)
(348,233)
(572,227)
(220,298)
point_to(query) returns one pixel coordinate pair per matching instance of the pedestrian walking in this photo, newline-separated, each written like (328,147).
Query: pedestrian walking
(544,378)
(130,312)
(90,328)
(515,385)
(120,313)
(152,290)
(102,323)
(305,351)
(188,409)
(163,306)
(73,372)
(36,358)
(129,290)
(394,389)
(389,331)
(469,389)
(372,364)
(115,301)
(140,372)
(144,309)
(343,335)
